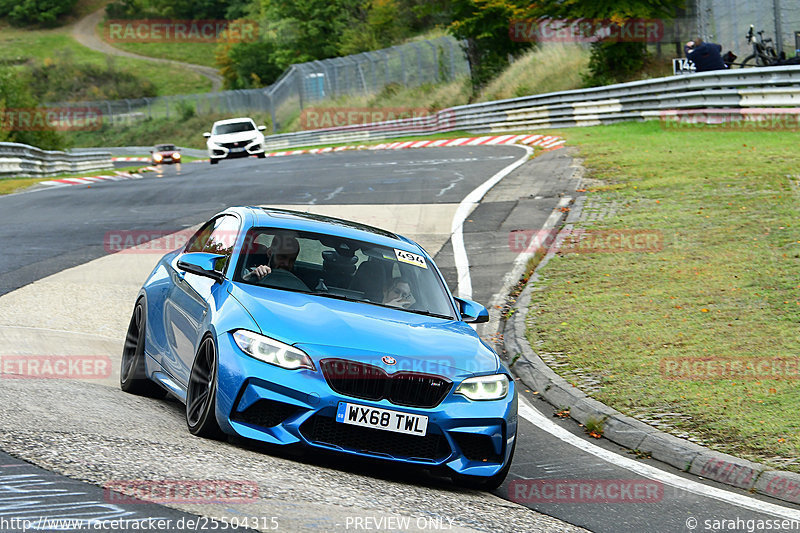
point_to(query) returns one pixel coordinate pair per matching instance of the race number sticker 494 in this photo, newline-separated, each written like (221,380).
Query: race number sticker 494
(412,259)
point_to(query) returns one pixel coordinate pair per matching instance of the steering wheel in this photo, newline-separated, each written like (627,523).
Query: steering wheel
(283,279)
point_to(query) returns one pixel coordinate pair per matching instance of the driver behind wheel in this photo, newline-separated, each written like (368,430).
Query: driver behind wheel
(282,254)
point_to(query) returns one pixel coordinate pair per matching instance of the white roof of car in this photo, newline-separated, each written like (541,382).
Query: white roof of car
(233,120)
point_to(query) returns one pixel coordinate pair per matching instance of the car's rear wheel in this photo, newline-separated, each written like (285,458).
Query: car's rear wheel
(132,374)
(201,395)
(487,483)
(262,155)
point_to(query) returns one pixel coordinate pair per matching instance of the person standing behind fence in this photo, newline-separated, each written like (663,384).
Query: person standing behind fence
(705,56)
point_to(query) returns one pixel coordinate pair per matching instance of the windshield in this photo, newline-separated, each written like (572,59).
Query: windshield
(341,268)
(165,147)
(233,127)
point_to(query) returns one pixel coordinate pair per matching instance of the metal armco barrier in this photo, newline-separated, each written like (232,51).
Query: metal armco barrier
(639,100)
(22,160)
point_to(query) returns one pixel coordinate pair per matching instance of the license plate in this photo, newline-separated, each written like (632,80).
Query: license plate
(374,417)
(237,149)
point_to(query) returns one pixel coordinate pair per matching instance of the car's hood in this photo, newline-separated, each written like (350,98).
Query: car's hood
(326,327)
(239,136)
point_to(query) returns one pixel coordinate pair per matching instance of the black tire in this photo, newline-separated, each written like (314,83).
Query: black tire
(749,61)
(132,375)
(262,155)
(213,161)
(201,394)
(487,483)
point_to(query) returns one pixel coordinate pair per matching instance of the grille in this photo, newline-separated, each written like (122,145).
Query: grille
(265,413)
(370,382)
(325,430)
(237,144)
(476,447)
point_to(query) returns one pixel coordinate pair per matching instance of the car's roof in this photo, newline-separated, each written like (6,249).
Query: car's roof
(286,218)
(232,120)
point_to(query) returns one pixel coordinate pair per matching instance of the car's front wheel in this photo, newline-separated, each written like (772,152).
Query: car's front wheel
(132,374)
(213,161)
(487,483)
(201,395)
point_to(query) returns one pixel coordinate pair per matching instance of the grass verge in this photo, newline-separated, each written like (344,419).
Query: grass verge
(725,287)
(18,46)
(186,52)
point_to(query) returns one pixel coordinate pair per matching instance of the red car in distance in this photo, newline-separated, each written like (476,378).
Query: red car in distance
(166,154)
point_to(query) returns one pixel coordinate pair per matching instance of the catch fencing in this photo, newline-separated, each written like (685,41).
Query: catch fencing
(409,65)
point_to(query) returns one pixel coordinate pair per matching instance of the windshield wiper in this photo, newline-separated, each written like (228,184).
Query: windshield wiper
(336,296)
(424,312)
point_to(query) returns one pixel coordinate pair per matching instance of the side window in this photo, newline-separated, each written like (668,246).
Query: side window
(222,239)
(199,239)
(216,237)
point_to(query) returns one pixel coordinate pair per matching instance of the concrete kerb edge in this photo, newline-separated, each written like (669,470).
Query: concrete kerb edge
(624,430)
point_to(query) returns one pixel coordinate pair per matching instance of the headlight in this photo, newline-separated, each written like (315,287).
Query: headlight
(271,351)
(158,157)
(484,387)
(176,156)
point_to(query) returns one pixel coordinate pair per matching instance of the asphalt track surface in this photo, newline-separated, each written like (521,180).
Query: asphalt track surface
(47,231)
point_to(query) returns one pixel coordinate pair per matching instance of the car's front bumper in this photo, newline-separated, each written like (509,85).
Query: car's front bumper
(263,402)
(221,152)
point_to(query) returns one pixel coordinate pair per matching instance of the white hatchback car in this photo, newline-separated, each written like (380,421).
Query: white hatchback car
(234,137)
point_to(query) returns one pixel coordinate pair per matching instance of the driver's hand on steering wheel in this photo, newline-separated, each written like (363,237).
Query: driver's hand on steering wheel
(258,272)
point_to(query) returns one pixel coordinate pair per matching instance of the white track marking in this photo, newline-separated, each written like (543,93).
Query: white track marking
(532,415)
(464,209)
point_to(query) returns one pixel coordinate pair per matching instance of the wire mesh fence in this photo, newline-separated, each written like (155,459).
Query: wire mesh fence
(727,21)
(409,65)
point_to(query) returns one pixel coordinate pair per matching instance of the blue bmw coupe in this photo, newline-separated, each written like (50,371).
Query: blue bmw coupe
(292,328)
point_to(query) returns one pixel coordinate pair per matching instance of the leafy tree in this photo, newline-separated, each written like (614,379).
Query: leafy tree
(485,26)
(248,64)
(15,97)
(36,12)
(611,61)
(181,9)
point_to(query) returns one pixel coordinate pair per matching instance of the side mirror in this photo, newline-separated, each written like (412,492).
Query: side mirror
(202,264)
(262,128)
(206,135)
(472,312)
(151,151)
